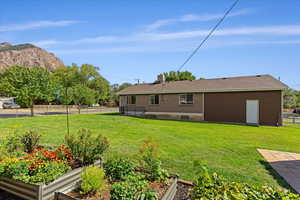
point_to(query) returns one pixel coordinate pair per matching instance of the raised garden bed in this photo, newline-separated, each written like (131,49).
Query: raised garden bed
(164,192)
(65,183)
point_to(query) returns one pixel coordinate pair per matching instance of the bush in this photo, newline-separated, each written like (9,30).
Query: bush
(13,143)
(85,147)
(129,189)
(208,186)
(30,140)
(150,162)
(92,180)
(118,167)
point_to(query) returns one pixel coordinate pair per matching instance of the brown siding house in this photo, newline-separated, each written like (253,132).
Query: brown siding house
(248,99)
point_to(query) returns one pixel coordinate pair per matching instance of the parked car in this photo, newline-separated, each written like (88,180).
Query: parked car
(297,111)
(10,105)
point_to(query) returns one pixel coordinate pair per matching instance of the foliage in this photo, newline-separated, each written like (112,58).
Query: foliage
(85,147)
(39,167)
(92,180)
(28,85)
(30,140)
(150,162)
(15,143)
(291,98)
(129,189)
(118,167)
(12,143)
(82,95)
(178,76)
(78,78)
(115,89)
(213,186)
(147,194)
(17,47)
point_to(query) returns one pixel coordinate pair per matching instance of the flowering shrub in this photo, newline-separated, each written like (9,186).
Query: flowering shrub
(150,162)
(85,147)
(40,166)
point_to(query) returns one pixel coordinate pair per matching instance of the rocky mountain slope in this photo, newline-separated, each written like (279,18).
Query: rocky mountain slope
(27,55)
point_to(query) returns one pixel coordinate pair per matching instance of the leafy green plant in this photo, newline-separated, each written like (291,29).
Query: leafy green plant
(129,189)
(151,163)
(147,194)
(213,186)
(85,147)
(46,173)
(118,167)
(30,140)
(93,180)
(12,143)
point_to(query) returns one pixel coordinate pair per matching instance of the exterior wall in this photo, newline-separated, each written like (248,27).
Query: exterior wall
(167,103)
(231,107)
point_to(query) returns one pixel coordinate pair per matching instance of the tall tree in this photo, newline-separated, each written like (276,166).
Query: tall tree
(28,85)
(178,76)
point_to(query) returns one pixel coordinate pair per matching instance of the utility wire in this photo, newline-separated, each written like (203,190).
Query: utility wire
(209,34)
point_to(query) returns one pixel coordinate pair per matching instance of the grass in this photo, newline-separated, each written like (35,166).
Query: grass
(229,150)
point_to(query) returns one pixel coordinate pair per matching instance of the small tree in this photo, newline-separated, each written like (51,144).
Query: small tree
(82,95)
(28,85)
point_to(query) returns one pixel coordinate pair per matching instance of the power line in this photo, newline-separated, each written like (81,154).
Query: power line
(209,34)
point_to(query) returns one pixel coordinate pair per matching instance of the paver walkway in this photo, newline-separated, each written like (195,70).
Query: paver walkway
(286,164)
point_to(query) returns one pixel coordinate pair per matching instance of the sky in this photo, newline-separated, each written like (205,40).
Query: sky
(135,39)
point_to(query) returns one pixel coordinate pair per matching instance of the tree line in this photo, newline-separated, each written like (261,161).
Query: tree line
(79,85)
(291,99)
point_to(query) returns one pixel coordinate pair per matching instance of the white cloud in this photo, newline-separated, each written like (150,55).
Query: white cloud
(170,47)
(191,17)
(287,30)
(37,24)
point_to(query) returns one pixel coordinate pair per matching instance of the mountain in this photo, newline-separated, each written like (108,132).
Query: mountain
(27,55)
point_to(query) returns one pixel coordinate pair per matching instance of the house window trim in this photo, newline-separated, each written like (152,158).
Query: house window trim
(154,97)
(131,97)
(182,104)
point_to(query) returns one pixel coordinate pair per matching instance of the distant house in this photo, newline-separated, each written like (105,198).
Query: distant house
(248,99)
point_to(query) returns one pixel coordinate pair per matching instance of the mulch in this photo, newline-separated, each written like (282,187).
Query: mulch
(183,191)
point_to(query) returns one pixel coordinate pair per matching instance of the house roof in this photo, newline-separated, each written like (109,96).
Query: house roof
(231,84)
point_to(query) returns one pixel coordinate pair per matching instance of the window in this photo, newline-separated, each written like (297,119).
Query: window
(154,99)
(131,99)
(186,99)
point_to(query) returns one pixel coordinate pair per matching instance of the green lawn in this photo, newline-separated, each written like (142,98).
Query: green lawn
(228,149)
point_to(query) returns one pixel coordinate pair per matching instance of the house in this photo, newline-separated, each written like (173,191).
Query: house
(248,99)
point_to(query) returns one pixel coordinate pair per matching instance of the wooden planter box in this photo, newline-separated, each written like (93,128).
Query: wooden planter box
(169,195)
(63,184)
